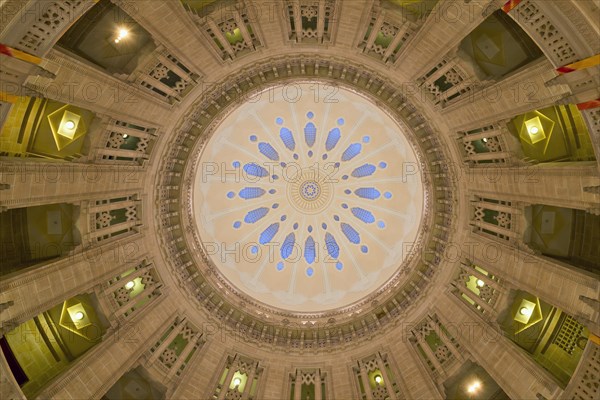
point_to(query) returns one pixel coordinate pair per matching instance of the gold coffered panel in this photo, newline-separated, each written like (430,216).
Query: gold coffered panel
(536,127)
(79,317)
(66,125)
(488,47)
(527,313)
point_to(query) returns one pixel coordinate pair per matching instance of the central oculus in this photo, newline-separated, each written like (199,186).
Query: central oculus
(310,190)
(308,197)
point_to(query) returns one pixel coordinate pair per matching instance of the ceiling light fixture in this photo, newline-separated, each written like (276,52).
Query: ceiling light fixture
(534,130)
(122,34)
(68,124)
(237,382)
(378,379)
(525,311)
(474,387)
(484,140)
(78,316)
(480,283)
(125,136)
(129,285)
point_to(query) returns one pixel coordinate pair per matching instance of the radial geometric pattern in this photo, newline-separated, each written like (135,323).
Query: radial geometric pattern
(308,197)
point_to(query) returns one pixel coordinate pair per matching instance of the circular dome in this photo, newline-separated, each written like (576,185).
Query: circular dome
(301,197)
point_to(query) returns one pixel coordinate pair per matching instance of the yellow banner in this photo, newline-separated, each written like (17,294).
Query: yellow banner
(586,63)
(8,98)
(21,55)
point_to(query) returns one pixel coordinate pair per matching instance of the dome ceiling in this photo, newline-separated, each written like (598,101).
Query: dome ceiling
(336,233)
(214,174)
(300,199)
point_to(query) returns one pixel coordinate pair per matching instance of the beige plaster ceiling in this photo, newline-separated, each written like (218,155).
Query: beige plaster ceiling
(308,197)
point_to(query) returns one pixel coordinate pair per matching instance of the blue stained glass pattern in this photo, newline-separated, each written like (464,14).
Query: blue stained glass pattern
(309,250)
(251,193)
(364,170)
(333,138)
(332,247)
(350,233)
(363,215)
(367,193)
(288,138)
(268,151)
(352,151)
(255,215)
(312,234)
(255,170)
(310,134)
(288,245)
(269,233)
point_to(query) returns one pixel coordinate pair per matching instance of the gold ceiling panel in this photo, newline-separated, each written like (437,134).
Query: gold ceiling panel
(535,128)
(488,47)
(527,313)
(80,318)
(67,126)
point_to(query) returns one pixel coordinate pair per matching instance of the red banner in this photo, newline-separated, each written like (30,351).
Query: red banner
(5,50)
(589,104)
(510,4)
